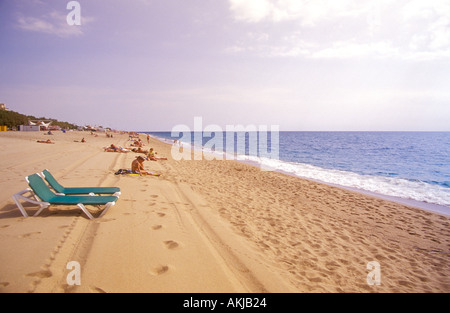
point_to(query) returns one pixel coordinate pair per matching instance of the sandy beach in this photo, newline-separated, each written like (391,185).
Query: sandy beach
(206,226)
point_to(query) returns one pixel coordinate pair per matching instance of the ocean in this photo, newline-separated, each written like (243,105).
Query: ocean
(405,165)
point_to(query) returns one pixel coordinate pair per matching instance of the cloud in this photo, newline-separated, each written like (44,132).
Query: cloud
(309,12)
(250,10)
(406,29)
(53,23)
(343,50)
(429,23)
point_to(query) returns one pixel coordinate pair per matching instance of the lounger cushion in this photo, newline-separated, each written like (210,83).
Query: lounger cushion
(45,194)
(77,190)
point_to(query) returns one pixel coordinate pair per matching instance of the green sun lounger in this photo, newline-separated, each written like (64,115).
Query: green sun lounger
(40,194)
(78,190)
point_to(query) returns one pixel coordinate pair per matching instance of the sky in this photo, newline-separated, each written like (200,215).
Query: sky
(150,65)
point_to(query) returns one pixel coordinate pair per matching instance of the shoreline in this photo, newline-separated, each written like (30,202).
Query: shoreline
(431,207)
(207,226)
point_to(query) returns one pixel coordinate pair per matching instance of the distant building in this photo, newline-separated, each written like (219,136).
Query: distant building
(27,128)
(3,128)
(44,124)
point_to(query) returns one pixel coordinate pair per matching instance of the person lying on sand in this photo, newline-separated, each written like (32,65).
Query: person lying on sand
(114,148)
(139,150)
(137,166)
(152,155)
(124,171)
(45,141)
(137,143)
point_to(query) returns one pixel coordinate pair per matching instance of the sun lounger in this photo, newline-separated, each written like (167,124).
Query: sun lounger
(78,190)
(40,194)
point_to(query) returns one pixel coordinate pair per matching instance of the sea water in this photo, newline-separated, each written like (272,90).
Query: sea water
(405,165)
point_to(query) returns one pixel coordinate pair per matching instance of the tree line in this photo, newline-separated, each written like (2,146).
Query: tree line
(12,120)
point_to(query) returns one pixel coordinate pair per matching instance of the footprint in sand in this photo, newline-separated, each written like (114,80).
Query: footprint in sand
(154,196)
(97,289)
(170,244)
(161,214)
(41,274)
(159,270)
(156,227)
(29,234)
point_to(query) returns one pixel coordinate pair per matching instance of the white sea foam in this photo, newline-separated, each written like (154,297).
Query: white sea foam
(389,186)
(396,187)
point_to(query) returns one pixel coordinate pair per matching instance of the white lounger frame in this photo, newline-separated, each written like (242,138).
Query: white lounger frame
(20,196)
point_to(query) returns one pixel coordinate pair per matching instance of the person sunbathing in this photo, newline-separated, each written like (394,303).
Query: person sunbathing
(114,148)
(137,167)
(139,150)
(152,155)
(45,141)
(137,143)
